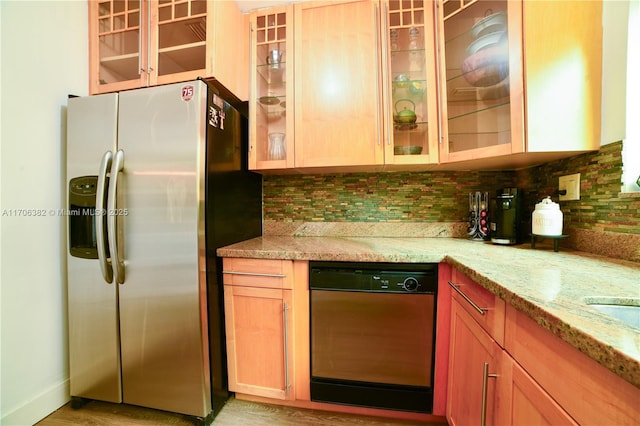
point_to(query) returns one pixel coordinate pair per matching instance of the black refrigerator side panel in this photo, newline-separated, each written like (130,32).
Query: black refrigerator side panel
(233,207)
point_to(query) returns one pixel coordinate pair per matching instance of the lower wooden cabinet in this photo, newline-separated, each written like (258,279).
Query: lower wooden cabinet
(258,332)
(503,368)
(590,393)
(258,299)
(475,360)
(530,404)
(488,387)
(533,378)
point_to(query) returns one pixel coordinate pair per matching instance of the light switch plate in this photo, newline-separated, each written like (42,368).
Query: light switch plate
(571,184)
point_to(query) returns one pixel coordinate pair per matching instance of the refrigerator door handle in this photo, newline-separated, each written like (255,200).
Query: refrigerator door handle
(105,263)
(112,216)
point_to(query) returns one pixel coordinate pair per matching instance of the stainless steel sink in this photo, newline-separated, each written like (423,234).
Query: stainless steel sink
(624,309)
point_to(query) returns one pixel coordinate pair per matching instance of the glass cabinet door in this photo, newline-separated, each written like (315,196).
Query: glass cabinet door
(181,36)
(476,58)
(271,109)
(413,100)
(117,40)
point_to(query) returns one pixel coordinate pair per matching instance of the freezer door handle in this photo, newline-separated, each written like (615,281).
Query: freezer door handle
(112,218)
(101,241)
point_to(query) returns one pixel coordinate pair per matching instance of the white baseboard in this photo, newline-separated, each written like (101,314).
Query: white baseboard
(39,407)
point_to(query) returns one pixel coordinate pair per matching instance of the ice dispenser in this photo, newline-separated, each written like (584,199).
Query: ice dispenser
(82,211)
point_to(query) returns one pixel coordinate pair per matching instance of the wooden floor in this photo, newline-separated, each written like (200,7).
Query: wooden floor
(234,413)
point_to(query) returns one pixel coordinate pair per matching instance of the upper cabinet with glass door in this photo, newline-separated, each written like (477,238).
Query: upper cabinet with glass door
(410,80)
(479,79)
(136,43)
(179,41)
(117,34)
(521,80)
(271,104)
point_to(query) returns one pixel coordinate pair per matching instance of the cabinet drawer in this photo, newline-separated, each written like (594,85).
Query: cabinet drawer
(485,307)
(267,273)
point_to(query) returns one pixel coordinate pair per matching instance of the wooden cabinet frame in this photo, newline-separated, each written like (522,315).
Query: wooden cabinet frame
(554,91)
(590,393)
(259,320)
(541,379)
(271,104)
(400,16)
(477,374)
(343,114)
(551,114)
(338,109)
(118,35)
(530,403)
(222,41)
(259,340)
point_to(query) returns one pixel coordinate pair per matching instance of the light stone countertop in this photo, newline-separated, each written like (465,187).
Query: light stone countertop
(550,287)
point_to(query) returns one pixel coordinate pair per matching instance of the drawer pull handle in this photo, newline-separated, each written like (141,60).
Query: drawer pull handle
(480,310)
(254,274)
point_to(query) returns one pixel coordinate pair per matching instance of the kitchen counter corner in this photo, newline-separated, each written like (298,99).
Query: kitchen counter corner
(549,287)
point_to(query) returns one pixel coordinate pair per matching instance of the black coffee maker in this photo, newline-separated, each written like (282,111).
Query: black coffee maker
(506,217)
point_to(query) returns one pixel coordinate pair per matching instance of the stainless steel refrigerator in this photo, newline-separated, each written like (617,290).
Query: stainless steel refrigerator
(157,181)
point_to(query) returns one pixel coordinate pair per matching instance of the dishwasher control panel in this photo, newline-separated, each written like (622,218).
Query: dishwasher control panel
(374,277)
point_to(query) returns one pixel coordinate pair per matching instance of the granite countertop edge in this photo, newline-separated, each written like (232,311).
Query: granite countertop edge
(525,278)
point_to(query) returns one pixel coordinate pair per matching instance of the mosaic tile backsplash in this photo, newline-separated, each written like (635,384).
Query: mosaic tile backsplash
(376,197)
(601,206)
(437,197)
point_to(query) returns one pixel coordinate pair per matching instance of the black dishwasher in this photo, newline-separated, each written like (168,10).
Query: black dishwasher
(373,334)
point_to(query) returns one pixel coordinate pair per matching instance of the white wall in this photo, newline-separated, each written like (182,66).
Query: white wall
(44,57)
(615,18)
(631,144)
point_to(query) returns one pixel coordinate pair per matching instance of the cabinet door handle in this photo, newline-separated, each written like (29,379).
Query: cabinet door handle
(254,274)
(480,310)
(485,379)
(385,67)
(140,69)
(378,98)
(253,94)
(150,69)
(440,130)
(285,322)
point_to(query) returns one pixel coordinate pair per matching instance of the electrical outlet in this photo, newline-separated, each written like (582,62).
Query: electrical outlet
(571,184)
